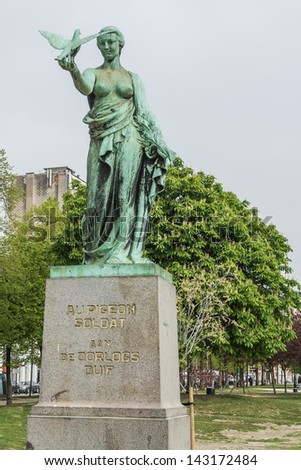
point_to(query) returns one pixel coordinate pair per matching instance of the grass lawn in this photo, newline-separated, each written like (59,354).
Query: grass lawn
(13,426)
(259,420)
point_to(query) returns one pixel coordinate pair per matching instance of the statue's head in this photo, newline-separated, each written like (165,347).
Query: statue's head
(107,30)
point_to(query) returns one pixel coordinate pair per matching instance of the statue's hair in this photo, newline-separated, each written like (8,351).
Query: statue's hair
(112,29)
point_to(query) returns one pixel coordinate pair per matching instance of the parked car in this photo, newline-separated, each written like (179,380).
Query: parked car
(16,387)
(25,386)
(35,387)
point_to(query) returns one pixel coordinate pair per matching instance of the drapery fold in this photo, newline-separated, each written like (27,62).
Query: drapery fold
(126,168)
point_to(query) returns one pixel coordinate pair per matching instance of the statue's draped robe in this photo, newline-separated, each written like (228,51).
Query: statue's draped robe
(126,168)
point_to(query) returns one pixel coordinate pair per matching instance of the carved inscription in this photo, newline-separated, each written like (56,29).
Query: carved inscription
(100,343)
(102,323)
(95,312)
(98,370)
(111,309)
(105,361)
(100,358)
(116,356)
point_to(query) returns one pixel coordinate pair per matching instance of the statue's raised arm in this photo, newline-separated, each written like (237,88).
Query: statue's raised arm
(127,159)
(70,47)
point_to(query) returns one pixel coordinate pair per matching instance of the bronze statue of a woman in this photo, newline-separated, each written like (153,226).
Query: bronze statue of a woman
(127,159)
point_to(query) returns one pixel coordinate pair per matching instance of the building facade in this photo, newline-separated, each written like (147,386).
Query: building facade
(38,187)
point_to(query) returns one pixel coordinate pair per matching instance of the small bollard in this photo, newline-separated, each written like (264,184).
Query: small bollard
(191,413)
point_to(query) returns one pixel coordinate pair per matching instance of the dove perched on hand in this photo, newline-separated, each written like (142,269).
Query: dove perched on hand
(68,46)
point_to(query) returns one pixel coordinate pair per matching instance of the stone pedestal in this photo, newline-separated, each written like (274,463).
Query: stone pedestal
(110,362)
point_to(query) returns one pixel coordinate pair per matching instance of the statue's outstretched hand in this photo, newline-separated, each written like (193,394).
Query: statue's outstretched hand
(67,62)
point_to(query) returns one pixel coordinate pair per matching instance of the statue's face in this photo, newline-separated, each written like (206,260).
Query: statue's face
(109,46)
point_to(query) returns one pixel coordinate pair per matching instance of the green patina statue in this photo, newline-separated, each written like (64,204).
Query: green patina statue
(127,159)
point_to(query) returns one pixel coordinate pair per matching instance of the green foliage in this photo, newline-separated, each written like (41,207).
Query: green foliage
(67,244)
(25,260)
(196,226)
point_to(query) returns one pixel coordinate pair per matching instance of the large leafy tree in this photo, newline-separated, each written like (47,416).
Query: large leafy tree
(196,227)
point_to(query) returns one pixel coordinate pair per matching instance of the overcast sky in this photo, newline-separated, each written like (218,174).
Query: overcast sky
(223,78)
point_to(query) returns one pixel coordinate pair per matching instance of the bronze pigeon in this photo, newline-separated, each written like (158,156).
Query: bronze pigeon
(68,46)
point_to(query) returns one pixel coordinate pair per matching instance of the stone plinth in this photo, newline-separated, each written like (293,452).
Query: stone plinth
(110,363)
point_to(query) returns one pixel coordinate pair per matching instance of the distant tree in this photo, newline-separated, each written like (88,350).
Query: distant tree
(25,260)
(9,191)
(8,198)
(290,358)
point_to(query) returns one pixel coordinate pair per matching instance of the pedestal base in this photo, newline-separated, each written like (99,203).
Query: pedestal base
(110,365)
(137,429)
